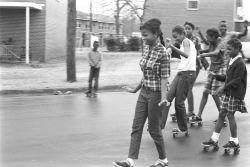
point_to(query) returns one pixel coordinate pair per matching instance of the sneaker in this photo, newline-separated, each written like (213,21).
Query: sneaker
(122,164)
(177,130)
(231,144)
(160,163)
(191,114)
(196,119)
(210,142)
(173,115)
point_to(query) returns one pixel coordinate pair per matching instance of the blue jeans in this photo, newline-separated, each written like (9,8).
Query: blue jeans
(147,107)
(190,96)
(93,74)
(179,89)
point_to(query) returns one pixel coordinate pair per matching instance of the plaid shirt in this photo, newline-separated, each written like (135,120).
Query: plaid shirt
(155,65)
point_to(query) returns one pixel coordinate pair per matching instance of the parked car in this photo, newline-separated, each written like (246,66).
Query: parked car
(246,49)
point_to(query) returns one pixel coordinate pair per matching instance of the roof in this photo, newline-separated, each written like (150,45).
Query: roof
(33,4)
(96,17)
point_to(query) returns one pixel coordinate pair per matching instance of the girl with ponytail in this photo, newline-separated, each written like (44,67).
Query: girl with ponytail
(155,66)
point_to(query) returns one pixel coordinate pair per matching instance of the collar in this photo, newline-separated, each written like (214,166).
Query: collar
(232,60)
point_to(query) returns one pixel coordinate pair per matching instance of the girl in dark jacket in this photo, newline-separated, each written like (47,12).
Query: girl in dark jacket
(233,93)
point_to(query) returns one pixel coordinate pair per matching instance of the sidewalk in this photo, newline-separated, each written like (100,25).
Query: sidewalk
(118,69)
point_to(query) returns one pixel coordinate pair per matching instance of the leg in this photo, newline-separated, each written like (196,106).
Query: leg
(203,103)
(91,75)
(190,96)
(217,101)
(232,123)
(164,115)
(97,72)
(138,124)
(154,121)
(220,121)
(181,95)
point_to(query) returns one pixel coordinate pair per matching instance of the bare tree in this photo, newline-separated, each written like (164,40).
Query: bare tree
(120,5)
(71,32)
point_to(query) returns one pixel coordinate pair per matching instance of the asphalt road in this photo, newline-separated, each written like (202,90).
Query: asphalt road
(76,131)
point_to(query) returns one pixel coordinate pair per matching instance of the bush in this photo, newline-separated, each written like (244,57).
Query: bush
(118,44)
(111,44)
(134,43)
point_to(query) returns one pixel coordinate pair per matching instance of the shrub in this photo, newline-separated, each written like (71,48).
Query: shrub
(134,43)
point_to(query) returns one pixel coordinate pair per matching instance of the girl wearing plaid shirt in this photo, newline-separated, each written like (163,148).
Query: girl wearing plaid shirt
(233,92)
(155,65)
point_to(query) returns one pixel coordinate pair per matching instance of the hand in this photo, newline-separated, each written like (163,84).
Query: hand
(164,101)
(211,73)
(197,28)
(219,91)
(168,42)
(129,89)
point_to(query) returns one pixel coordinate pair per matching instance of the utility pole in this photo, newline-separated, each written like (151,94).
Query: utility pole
(91,17)
(71,33)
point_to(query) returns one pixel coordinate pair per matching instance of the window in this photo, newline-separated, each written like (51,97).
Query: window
(192,4)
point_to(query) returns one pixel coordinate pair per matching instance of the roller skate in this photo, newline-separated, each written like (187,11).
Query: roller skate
(207,144)
(122,164)
(160,163)
(231,146)
(196,120)
(177,131)
(173,116)
(88,94)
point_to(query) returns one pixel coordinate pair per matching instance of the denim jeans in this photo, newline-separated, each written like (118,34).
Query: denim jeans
(93,74)
(190,96)
(147,107)
(179,89)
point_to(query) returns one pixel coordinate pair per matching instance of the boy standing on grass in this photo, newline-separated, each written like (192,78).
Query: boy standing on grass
(95,60)
(233,92)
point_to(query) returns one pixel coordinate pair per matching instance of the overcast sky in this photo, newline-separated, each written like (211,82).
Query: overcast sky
(83,5)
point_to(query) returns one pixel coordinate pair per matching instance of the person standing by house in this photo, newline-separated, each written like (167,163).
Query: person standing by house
(233,92)
(184,79)
(155,65)
(95,61)
(217,66)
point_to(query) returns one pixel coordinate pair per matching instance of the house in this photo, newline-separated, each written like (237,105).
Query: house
(33,29)
(202,13)
(102,27)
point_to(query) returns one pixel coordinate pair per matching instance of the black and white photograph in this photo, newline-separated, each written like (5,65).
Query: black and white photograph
(124,83)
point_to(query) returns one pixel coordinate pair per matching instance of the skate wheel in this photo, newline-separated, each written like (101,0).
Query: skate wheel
(216,148)
(200,124)
(227,151)
(174,135)
(191,125)
(237,151)
(187,134)
(205,149)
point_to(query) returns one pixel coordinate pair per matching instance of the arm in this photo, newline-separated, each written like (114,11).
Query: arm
(186,45)
(238,75)
(91,62)
(244,33)
(210,54)
(203,39)
(221,78)
(133,90)
(165,74)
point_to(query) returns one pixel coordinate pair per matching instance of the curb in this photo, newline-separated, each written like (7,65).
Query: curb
(67,91)
(59,91)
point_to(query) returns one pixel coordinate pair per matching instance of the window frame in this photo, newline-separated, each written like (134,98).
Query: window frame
(198,5)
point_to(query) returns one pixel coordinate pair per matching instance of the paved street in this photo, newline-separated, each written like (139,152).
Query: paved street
(75,131)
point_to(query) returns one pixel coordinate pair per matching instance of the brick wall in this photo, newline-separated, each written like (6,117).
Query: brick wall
(173,12)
